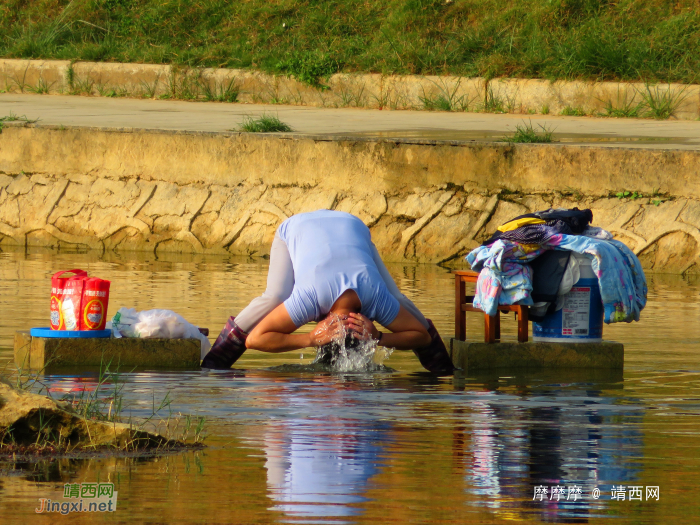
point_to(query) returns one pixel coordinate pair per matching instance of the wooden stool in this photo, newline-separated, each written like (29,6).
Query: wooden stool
(492,324)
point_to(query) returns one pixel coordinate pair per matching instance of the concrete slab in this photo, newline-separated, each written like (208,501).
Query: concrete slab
(337,123)
(41,353)
(482,356)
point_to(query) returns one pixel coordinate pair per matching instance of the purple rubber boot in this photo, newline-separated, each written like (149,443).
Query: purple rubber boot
(435,357)
(228,347)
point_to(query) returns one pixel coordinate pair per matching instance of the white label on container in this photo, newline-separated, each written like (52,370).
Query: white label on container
(69,319)
(575,311)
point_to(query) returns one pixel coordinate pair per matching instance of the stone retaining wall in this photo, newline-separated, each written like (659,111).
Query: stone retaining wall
(424,201)
(344,90)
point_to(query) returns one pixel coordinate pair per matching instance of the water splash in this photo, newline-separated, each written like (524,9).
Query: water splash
(347,353)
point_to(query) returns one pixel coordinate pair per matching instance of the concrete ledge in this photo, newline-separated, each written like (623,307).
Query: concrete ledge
(502,95)
(189,192)
(37,353)
(531,355)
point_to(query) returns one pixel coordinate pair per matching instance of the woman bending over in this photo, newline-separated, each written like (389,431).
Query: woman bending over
(325,268)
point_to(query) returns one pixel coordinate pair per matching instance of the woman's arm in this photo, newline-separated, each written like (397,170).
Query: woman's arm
(407,332)
(274,333)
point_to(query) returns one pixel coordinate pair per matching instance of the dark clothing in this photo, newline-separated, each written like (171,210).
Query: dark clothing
(557,221)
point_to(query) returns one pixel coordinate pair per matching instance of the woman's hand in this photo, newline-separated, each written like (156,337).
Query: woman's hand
(362,327)
(330,329)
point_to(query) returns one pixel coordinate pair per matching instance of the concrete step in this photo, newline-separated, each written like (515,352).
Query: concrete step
(44,353)
(472,356)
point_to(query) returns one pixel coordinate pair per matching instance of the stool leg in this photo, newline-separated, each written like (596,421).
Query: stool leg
(522,325)
(460,316)
(490,329)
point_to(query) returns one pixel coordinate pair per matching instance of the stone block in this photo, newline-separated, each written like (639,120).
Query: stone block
(355,90)
(39,353)
(39,76)
(146,80)
(533,355)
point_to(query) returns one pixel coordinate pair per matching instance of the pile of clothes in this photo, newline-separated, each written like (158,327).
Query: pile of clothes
(528,261)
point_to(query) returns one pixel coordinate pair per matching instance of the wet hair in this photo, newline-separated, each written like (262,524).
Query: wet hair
(328,353)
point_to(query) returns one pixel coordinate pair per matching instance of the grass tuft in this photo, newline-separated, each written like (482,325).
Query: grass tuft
(527,133)
(495,103)
(309,67)
(220,91)
(662,103)
(264,124)
(624,111)
(446,98)
(17,118)
(570,111)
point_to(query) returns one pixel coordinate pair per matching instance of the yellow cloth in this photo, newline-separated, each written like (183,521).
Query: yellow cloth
(517,223)
(527,248)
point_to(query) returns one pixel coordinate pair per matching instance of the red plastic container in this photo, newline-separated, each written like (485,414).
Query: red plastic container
(78,302)
(94,304)
(66,295)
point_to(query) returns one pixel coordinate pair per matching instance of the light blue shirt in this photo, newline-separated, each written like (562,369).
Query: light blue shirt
(331,252)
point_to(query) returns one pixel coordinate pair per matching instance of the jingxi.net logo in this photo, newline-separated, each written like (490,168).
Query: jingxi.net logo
(82,497)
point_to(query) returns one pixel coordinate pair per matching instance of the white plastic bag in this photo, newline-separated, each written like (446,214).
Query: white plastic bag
(156,324)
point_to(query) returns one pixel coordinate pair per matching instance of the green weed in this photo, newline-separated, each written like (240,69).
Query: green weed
(661,103)
(573,193)
(626,111)
(148,89)
(264,124)
(632,195)
(21,84)
(94,404)
(623,107)
(82,86)
(383,100)
(112,92)
(352,96)
(17,118)
(184,85)
(42,87)
(570,111)
(446,98)
(438,103)
(225,91)
(309,67)
(494,103)
(545,109)
(527,133)
(70,76)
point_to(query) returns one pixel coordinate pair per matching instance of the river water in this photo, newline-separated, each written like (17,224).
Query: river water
(288,445)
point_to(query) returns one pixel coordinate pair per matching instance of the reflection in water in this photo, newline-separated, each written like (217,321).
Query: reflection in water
(570,438)
(292,443)
(320,466)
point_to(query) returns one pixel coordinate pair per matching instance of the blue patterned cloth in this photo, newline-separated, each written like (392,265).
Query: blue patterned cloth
(505,276)
(623,286)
